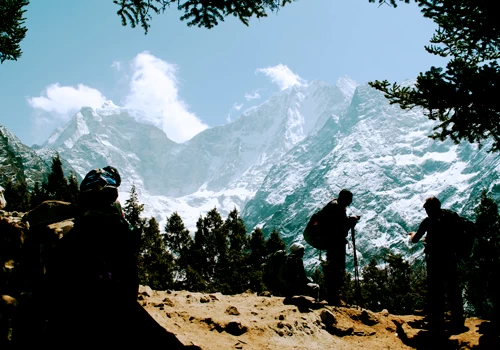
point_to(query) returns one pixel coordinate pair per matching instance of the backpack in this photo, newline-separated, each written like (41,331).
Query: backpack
(272,268)
(97,256)
(315,233)
(464,235)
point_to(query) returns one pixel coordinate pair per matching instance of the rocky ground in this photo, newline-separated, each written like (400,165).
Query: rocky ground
(248,321)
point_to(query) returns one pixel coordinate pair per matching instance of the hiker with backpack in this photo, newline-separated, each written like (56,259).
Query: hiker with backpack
(442,227)
(328,230)
(292,275)
(92,275)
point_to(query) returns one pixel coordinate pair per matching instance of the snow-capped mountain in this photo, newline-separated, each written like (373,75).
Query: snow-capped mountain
(284,159)
(383,155)
(221,167)
(18,161)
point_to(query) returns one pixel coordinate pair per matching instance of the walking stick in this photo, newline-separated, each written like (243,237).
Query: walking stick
(356,272)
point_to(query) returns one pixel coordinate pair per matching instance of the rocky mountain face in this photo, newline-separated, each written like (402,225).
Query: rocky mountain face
(383,155)
(18,161)
(281,161)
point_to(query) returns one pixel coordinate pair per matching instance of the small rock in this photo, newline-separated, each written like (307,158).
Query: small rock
(160,305)
(168,302)
(265,294)
(327,317)
(169,291)
(213,297)
(254,313)
(384,312)
(14,214)
(231,310)
(140,297)
(340,331)
(235,328)
(146,290)
(368,318)
(281,317)
(205,299)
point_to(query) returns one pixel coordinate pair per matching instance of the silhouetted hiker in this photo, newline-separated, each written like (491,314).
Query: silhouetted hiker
(93,277)
(336,224)
(293,277)
(441,226)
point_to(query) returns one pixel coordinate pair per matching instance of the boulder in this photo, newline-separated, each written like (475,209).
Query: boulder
(50,212)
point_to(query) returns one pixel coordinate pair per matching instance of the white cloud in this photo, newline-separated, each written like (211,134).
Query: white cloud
(252,96)
(228,118)
(57,104)
(154,89)
(282,76)
(64,100)
(237,106)
(116,65)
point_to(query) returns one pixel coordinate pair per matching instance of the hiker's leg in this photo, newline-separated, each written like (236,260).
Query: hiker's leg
(455,296)
(436,289)
(334,274)
(313,290)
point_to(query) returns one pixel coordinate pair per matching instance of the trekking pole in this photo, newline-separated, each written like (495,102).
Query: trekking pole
(356,272)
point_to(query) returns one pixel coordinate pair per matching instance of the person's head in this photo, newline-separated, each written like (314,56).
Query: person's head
(100,187)
(432,206)
(297,249)
(345,198)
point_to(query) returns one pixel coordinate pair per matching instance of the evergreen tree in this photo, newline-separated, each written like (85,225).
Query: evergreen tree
(482,269)
(201,13)
(274,243)
(17,195)
(37,196)
(462,97)
(238,270)
(179,242)
(255,260)
(209,252)
(257,247)
(133,210)
(56,186)
(374,286)
(73,189)
(156,269)
(12,29)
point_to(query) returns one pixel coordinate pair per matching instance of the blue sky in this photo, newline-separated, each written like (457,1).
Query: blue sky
(186,79)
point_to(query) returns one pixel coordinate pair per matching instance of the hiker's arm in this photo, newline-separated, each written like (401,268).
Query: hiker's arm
(422,229)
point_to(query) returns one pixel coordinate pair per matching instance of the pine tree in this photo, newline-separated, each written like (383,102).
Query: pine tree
(156,269)
(133,210)
(482,270)
(258,247)
(374,286)
(17,195)
(462,95)
(73,188)
(274,243)
(256,258)
(238,269)
(209,251)
(37,196)
(56,186)
(12,28)
(179,242)
(201,13)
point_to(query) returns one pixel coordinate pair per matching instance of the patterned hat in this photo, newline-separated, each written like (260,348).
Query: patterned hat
(97,179)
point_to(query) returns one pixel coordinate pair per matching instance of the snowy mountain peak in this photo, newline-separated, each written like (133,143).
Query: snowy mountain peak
(347,85)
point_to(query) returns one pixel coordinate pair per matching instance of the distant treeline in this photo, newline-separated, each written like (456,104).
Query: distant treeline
(222,256)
